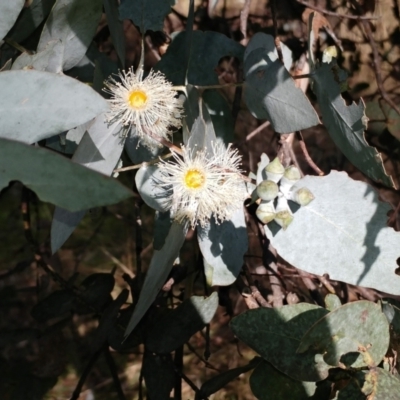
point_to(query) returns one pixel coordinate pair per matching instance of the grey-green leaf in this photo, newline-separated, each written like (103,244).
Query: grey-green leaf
(31,16)
(49,59)
(74,22)
(218,382)
(99,149)
(9,11)
(56,179)
(179,325)
(355,335)
(345,233)
(160,266)
(35,105)
(116,28)
(148,15)
(207,49)
(221,115)
(346,124)
(223,247)
(275,334)
(147,181)
(270,93)
(267,383)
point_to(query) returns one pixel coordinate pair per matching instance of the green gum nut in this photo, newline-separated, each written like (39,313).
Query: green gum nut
(266,212)
(283,216)
(275,170)
(302,196)
(267,190)
(290,177)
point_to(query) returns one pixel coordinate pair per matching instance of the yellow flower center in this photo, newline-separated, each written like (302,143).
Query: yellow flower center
(137,99)
(194,179)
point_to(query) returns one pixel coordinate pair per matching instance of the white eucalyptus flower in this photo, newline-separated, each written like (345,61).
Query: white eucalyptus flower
(150,105)
(199,185)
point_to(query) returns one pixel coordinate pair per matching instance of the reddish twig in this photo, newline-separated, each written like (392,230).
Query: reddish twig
(307,157)
(334,14)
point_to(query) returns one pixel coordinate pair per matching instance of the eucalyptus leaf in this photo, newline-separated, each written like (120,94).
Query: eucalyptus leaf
(31,16)
(74,22)
(49,59)
(387,385)
(54,305)
(35,95)
(137,152)
(99,149)
(270,93)
(332,302)
(346,124)
(218,382)
(116,28)
(221,115)
(147,182)
(159,375)
(355,335)
(162,225)
(267,42)
(223,247)
(148,15)
(108,320)
(160,266)
(266,382)
(179,325)
(40,170)
(9,11)
(275,333)
(206,51)
(344,231)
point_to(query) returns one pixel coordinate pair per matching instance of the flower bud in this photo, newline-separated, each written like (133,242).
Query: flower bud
(290,177)
(283,216)
(302,196)
(266,211)
(275,170)
(267,190)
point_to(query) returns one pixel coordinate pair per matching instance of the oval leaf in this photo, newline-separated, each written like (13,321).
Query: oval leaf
(354,335)
(206,51)
(267,383)
(266,330)
(223,247)
(344,231)
(346,124)
(9,11)
(35,105)
(270,93)
(56,179)
(146,14)
(74,22)
(99,149)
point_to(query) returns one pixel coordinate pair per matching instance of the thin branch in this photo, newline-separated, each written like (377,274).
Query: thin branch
(307,157)
(146,163)
(256,131)
(244,15)
(206,363)
(117,262)
(85,373)
(225,85)
(275,22)
(334,14)
(114,373)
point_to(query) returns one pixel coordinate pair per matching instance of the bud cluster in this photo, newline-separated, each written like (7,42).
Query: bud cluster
(275,191)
